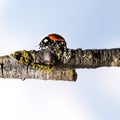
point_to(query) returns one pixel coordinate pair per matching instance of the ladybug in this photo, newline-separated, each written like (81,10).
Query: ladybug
(53,42)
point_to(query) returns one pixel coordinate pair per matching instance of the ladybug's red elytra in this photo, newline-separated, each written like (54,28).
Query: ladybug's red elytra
(56,37)
(53,42)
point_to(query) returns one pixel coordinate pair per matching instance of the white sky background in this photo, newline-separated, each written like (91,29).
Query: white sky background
(85,24)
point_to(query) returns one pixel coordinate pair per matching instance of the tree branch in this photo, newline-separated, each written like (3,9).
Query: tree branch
(93,58)
(11,68)
(44,64)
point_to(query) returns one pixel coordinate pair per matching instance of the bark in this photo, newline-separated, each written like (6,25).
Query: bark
(11,68)
(93,58)
(44,64)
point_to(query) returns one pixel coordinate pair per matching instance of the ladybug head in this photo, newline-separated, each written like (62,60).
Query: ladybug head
(53,41)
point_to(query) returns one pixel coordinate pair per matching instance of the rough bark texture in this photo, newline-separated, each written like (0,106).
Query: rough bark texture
(11,68)
(44,64)
(93,58)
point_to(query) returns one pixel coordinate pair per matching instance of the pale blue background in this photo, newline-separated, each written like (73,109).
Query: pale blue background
(85,24)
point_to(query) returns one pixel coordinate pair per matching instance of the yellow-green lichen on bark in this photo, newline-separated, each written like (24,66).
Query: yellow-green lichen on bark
(26,57)
(23,56)
(70,72)
(44,68)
